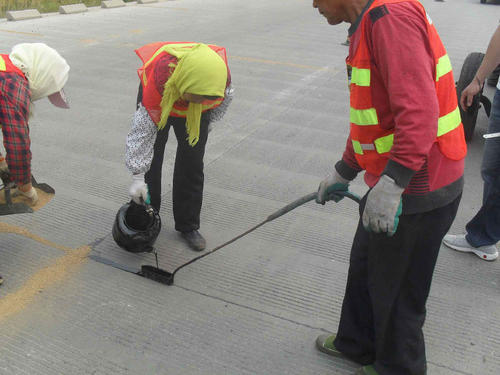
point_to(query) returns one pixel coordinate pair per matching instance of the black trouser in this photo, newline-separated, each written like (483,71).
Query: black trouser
(387,287)
(187,192)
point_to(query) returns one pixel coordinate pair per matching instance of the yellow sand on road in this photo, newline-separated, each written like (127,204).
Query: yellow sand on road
(43,199)
(44,278)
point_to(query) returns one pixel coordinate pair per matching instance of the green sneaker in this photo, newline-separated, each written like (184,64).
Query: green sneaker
(366,370)
(325,345)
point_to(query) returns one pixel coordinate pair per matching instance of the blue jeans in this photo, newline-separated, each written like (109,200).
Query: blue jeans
(484,228)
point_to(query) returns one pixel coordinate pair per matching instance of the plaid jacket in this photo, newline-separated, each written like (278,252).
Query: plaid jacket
(14,114)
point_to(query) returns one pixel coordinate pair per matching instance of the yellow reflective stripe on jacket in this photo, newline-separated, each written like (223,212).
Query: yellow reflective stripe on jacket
(357,147)
(363,116)
(3,68)
(381,145)
(443,66)
(449,122)
(360,77)
(384,144)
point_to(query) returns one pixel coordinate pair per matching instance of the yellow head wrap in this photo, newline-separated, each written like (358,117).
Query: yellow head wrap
(199,70)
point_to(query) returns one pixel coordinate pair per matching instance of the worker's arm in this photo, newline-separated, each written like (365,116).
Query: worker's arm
(218,112)
(140,142)
(490,61)
(401,51)
(139,152)
(14,114)
(405,96)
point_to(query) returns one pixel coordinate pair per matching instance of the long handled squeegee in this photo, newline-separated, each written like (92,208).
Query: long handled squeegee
(165,277)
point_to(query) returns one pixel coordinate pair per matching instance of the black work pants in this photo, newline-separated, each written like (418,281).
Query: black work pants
(387,288)
(187,191)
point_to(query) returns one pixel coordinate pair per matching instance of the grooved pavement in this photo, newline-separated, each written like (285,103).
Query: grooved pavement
(256,306)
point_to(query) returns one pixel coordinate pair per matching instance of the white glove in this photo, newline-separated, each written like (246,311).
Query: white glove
(138,190)
(31,194)
(331,184)
(383,207)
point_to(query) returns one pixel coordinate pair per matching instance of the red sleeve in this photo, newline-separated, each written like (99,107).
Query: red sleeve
(403,58)
(14,114)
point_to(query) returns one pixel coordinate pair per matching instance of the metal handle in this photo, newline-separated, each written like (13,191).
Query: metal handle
(307,198)
(280,212)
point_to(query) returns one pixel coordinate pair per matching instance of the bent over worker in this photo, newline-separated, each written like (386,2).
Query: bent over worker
(185,86)
(31,71)
(406,134)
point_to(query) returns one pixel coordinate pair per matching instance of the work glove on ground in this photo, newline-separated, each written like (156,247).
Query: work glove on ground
(331,184)
(31,194)
(383,207)
(138,191)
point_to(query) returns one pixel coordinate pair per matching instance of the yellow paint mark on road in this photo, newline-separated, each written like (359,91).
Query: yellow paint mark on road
(46,277)
(8,228)
(137,31)
(20,32)
(89,41)
(273,62)
(15,302)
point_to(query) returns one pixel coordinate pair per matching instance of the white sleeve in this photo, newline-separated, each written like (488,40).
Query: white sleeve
(140,142)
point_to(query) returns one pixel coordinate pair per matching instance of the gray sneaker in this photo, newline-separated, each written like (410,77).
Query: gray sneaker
(458,242)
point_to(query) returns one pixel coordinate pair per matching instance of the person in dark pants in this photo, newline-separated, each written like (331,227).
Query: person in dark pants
(406,134)
(483,230)
(392,275)
(184,86)
(187,193)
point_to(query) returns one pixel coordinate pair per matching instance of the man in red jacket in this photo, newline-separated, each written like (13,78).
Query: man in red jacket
(407,135)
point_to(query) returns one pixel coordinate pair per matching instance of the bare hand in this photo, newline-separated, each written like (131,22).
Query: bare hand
(468,94)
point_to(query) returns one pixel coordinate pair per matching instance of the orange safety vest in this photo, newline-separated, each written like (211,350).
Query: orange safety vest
(372,144)
(150,54)
(7,66)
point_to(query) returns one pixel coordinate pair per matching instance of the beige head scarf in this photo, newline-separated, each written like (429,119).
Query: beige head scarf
(47,72)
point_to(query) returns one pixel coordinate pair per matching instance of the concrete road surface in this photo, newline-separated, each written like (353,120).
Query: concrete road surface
(256,306)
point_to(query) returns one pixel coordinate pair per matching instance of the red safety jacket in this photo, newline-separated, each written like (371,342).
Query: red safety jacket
(7,66)
(372,143)
(150,54)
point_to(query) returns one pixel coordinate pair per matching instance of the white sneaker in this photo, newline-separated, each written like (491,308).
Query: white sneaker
(458,242)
